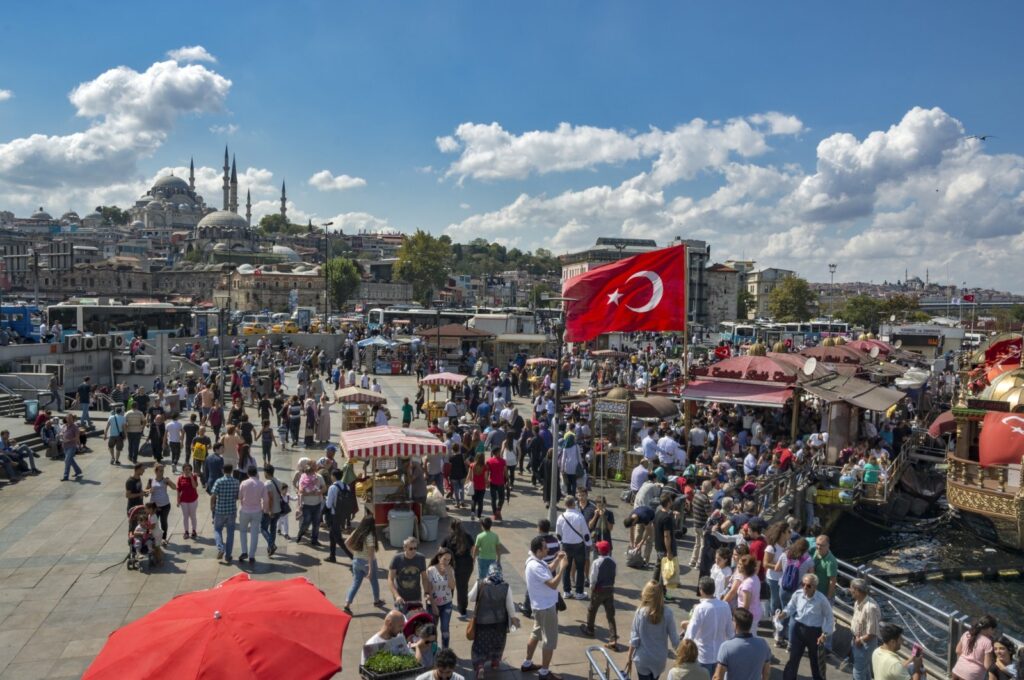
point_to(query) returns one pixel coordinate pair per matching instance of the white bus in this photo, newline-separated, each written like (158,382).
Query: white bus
(143,319)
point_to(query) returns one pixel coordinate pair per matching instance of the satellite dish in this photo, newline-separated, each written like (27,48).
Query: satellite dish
(892,317)
(809,366)
(874,352)
(898,344)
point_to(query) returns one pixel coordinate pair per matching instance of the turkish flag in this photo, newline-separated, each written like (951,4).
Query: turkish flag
(968,298)
(1005,351)
(1002,438)
(645,292)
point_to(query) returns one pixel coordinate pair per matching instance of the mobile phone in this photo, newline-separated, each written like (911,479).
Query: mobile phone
(916,650)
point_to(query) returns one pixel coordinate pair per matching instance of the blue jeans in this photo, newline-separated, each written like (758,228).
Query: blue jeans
(268,527)
(775,589)
(362,569)
(862,659)
(85,413)
(459,489)
(444,615)
(710,668)
(220,523)
(69,461)
(482,565)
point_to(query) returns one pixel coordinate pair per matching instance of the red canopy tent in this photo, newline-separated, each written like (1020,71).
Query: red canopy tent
(943,424)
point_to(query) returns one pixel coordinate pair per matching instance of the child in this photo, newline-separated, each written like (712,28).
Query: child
(722,571)
(282,523)
(267,439)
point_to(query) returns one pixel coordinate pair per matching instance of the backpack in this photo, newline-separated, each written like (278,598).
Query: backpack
(199,451)
(791,574)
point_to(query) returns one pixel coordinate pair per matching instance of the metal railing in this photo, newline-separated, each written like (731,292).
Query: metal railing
(611,671)
(937,631)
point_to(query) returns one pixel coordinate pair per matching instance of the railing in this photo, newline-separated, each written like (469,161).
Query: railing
(611,671)
(775,493)
(937,631)
(970,473)
(881,492)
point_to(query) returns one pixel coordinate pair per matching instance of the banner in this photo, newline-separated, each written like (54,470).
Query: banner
(1002,439)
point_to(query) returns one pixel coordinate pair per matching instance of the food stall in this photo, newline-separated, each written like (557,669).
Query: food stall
(386,451)
(356,407)
(381,359)
(435,381)
(618,420)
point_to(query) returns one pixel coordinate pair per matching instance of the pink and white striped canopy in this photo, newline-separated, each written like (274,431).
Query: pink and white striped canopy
(444,379)
(387,441)
(541,361)
(357,395)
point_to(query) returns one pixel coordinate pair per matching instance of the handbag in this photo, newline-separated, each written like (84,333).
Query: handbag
(285,506)
(471,626)
(560,606)
(468,488)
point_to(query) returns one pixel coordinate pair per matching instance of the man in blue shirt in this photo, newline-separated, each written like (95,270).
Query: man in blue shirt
(812,623)
(746,656)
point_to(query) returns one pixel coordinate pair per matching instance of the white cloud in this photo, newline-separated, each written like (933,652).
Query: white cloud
(489,152)
(5,95)
(131,114)
(228,129)
(919,194)
(326,181)
(465,206)
(192,53)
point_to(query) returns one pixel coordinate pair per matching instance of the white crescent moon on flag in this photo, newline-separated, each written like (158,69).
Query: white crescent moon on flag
(657,290)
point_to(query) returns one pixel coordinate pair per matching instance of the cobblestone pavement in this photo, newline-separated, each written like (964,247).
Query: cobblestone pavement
(65,587)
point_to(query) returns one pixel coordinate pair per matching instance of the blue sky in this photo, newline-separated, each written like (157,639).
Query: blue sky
(747,124)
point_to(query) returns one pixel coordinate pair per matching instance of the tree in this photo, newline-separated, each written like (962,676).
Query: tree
(744,302)
(278,224)
(861,310)
(537,294)
(113,215)
(791,300)
(343,279)
(899,304)
(423,261)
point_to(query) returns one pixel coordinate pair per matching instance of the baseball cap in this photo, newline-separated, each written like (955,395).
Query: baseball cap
(603,547)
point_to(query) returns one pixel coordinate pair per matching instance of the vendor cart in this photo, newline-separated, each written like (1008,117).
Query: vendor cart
(386,452)
(618,423)
(435,381)
(356,407)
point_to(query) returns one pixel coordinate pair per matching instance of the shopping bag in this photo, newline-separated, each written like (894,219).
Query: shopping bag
(670,572)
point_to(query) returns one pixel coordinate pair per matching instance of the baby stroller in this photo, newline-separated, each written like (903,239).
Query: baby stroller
(140,539)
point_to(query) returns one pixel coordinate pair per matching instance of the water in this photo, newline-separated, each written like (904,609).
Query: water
(945,545)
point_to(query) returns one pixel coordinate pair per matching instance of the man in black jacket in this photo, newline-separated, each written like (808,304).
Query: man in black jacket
(535,449)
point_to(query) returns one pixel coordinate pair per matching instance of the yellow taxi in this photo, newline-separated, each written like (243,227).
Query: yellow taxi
(285,327)
(253,329)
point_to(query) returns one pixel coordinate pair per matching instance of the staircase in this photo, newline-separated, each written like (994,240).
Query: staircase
(11,406)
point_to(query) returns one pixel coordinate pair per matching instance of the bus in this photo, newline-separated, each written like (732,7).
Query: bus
(21,321)
(823,328)
(737,333)
(143,319)
(415,316)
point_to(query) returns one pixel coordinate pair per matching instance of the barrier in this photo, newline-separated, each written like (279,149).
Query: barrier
(611,671)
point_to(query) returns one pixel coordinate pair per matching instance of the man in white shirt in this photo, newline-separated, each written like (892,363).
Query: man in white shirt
(542,588)
(389,637)
(668,447)
(698,439)
(710,624)
(650,445)
(639,475)
(206,370)
(572,530)
(172,438)
(750,462)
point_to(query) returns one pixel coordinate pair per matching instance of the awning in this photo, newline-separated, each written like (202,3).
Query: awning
(745,393)
(357,395)
(944,424)
(522,339)
(387,441)
(375,341)
(541,361)
(653,407)
(854,391)
(444,379)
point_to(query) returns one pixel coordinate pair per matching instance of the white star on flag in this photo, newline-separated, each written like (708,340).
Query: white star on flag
(613,297)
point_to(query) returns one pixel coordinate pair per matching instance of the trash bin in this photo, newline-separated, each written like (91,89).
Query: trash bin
(428,527)
(31,410)
(401,525)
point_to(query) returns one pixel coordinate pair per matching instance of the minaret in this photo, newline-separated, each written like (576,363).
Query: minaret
(284,202)
(191,174)
(248,208)
(234,187)
(227,185)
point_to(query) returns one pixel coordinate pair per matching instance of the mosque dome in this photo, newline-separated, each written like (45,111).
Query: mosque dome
(41,215)
(220,247)
(70,216)
(171,185)
(287,253)
(155,204)
(223,219)
(94,216)
(1008,387)
(138,224)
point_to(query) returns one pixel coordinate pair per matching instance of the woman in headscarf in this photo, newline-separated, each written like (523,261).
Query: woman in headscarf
(309,409)
(493,611)
(323,420)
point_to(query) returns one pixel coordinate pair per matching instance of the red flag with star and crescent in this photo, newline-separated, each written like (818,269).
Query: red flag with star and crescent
(646,292)
(1002,438)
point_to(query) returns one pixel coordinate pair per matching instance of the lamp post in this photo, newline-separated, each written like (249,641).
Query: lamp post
(327,256)
(559,328)
(831,291)
(437,318)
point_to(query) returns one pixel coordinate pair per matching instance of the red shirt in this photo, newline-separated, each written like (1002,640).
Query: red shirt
(479,480)
(785,460)
(497,468)
(757,547)
(187,489)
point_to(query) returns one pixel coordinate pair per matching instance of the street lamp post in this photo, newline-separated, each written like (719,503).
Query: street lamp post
(831,291)
(559,329)
(327,256)
(437,318)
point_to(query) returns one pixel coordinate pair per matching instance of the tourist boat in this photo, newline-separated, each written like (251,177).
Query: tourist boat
(983,480)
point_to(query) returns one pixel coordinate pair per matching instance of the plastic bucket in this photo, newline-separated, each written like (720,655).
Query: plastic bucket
(428,527)
(401,525)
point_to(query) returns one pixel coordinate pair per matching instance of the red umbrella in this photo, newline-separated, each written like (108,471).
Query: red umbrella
(943,424)
(238,629)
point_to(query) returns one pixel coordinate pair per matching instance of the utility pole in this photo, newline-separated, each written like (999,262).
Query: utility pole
(327,256)
(831,292)
(559,328)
